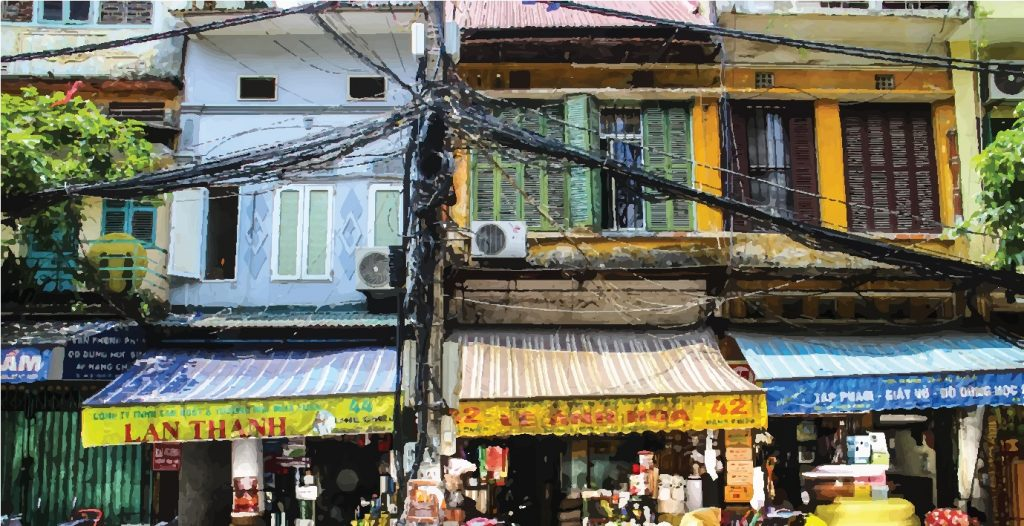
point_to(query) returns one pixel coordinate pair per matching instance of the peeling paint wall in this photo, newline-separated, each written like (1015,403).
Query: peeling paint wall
(157,59)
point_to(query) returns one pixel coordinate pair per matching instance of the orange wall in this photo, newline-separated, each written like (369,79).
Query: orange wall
(831,173)
(707,152)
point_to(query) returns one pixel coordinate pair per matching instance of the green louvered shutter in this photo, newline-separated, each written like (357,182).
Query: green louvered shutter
(556,171)
(484,185)
(667,152)
(533,173)
(581,113)
(509,174)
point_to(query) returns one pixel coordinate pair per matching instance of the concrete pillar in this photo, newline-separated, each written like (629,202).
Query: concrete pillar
(247,482)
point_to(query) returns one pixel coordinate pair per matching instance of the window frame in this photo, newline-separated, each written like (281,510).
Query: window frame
(206,237)
(65,13)
(348,88)
(130,206)
(371,207)
(626,138)
(238,88)
(93,22)
(302,234)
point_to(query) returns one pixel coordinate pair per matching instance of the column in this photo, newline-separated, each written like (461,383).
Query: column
(247,482)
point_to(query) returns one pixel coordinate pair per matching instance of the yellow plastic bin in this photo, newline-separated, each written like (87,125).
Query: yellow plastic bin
(846,511)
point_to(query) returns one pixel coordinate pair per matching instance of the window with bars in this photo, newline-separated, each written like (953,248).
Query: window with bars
(511,185)
(891,182)
(135,218)
(78,12)
(775,161)
(621,135)
(885,82)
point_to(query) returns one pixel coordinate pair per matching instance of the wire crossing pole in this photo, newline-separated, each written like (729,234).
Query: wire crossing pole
(431,188)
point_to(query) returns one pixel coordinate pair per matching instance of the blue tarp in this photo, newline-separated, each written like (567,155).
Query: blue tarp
(822,375)
(181,376)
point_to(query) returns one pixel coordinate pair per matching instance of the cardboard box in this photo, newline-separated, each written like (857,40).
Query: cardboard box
(739,453)
(738,493)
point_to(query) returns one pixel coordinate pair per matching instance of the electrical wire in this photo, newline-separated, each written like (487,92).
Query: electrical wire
(817,236)
(981,66)
(314,7)
(505,103)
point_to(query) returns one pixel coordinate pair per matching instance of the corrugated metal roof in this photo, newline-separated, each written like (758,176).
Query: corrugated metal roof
(178,376)
(497,14)
(283,317)
(507,365)
(775,357)
(54,332)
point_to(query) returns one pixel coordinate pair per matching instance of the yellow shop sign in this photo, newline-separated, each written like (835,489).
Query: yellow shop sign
(609,416)
(179,422)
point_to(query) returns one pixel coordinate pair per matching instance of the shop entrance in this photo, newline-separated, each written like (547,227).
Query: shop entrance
(349,475)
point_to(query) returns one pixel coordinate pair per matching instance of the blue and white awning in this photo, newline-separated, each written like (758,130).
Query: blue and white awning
(169,376)
(823,375)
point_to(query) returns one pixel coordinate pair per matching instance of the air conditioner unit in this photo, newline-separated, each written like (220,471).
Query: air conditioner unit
(1006,85)
(372,269)
(498,239)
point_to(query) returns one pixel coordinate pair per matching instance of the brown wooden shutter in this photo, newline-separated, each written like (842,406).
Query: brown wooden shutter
(16,11)
(739,186)
(890,168)
(804,164)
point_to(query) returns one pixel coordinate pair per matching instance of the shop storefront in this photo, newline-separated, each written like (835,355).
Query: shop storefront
(49,368)
(267,437)
(601,426)
(889,425)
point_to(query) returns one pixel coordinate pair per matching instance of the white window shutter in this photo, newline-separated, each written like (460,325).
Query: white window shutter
(188,222)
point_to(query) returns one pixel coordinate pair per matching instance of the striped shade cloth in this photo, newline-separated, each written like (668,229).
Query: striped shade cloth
(778,357)
(169,376)
(506,365)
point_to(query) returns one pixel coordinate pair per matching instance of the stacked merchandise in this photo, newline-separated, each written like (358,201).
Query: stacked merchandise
(570,510)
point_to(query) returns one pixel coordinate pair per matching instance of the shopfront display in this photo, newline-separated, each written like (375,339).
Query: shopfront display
(880,418)
(309,429)
(605,427)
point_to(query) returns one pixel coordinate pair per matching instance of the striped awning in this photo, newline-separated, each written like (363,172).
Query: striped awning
(600,382)
(170,376)
(507,365)
(821,374)
(174,396)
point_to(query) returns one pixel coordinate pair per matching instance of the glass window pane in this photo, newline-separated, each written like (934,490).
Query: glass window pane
(53,11)
(386,224)
(288,230)
(79,10)
(316,247)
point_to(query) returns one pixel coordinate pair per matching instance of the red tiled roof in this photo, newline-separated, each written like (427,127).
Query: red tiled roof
(513,14)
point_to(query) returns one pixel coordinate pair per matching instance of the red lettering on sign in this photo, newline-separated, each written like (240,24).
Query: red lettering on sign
(196,426)
(218,426)
(258,426)
(579,417)
(238,430)
(558,418)
(470,415)
(128,434)
(170,430)
(738,406)
(151,434)
(527,419)
(276,426)
(679,414)
(658,415)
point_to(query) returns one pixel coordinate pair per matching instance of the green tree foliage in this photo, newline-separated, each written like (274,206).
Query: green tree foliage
(50,141)
(1001,166)
(48,144)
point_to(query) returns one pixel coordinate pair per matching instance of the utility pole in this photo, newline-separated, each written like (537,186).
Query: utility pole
(430,189)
